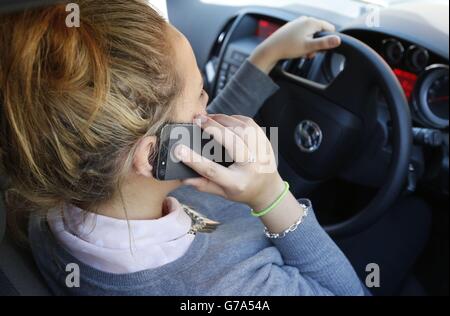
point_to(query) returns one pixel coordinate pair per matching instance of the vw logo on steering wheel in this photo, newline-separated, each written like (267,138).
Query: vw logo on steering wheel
(308,136)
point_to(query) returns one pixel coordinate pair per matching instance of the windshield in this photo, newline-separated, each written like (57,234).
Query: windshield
(387,3)
(348,8)
(384,3)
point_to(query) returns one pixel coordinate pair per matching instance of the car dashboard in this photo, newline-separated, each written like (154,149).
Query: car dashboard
(420,66)
(422,73)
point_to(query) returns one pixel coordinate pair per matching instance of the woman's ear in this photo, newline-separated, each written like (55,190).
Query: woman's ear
(145,148)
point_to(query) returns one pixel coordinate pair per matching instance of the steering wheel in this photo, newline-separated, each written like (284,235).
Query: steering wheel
(322,129)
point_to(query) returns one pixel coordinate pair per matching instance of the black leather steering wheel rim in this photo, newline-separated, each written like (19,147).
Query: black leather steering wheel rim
(401,143)
(367,63)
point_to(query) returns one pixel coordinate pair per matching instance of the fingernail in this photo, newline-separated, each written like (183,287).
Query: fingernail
(188,182)
(334,41)
(181,151)
(200,119)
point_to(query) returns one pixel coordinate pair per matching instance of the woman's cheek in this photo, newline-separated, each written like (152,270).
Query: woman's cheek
(205,101)
(200,107)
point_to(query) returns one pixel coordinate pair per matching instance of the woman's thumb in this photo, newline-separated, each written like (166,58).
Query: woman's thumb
(324,43)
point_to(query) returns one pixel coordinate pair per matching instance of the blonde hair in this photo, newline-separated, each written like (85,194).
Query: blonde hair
(75,101)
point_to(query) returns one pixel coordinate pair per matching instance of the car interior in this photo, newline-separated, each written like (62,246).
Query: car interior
(379,101)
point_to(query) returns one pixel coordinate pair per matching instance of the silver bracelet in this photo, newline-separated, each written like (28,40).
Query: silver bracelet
(306,205)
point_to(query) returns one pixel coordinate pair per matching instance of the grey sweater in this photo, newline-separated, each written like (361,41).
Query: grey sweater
(236,259)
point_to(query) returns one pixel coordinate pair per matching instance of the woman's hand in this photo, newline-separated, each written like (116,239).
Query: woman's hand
(253,178)
(294,40)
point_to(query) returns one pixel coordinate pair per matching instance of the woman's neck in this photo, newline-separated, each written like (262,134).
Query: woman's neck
(143,199)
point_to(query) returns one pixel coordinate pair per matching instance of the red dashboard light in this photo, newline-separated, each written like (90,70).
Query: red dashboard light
(263,23)
(408,81)
(266,28)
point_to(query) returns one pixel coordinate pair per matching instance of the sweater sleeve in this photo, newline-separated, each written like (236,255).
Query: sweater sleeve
(245,93)
(318,258)
(306,262)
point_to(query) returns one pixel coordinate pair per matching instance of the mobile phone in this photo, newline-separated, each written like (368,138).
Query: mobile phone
(168,167)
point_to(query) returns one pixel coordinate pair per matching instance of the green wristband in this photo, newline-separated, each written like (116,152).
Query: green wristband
(274,204)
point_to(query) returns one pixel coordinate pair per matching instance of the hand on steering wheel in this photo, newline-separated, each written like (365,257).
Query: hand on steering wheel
(323,128)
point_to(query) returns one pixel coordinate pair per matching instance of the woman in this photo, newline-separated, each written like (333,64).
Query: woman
(82,110)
